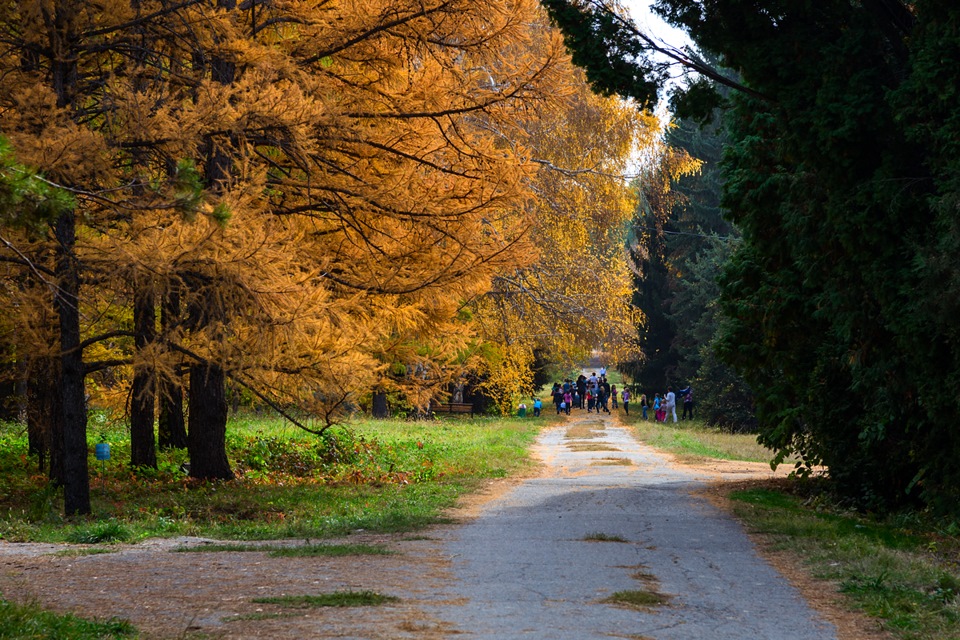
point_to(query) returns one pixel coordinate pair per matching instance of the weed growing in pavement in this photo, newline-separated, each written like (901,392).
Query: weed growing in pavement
(592,447)
(639,599)
(335,599)
(603,537)
(625,462)
(82,551)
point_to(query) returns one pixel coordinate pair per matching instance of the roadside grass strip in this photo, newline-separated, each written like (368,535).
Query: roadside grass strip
(900,574)
(31,621)
(334,599)
(298,551)
(693,440)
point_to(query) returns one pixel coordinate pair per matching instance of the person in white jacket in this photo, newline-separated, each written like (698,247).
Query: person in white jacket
(670,403)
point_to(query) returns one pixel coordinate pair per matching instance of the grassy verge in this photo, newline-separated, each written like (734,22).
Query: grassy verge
(30,621)
(902,571)
(692,440)
(384,476)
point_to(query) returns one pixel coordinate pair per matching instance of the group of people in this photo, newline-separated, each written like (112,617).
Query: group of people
(592,392)
(667,405)
(595,393)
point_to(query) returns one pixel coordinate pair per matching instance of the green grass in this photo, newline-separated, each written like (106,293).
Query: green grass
(906,577)
(378,476)
(28,621)
(98,533)
(335,599)
(693,440)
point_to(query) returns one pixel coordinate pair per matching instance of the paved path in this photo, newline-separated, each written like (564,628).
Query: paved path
(527,569)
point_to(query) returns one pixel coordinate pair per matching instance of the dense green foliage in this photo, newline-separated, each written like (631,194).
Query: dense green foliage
(841,175)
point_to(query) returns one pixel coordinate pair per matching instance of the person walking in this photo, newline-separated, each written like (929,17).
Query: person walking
(643,405)
(687,395)
(657,410)
(671,404)
(625,394)
(602,398)
(613,396)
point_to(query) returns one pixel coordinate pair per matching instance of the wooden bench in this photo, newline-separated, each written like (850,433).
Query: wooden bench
(452,407)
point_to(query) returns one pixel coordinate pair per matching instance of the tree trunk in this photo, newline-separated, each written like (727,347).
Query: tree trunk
(172,432)
(45,416)
(206,438)
(76,481)
(207,429)
(379,408)
(143,449)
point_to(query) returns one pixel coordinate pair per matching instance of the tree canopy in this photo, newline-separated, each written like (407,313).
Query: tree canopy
(298,202)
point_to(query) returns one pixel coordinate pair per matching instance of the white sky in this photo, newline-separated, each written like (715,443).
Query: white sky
(651,23)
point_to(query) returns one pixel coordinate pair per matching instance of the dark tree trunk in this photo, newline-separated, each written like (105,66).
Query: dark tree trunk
(379,408)
(206,439)
(207,404)
(172,432)
(45,416)
(143,449)
(23,372)
(76,481)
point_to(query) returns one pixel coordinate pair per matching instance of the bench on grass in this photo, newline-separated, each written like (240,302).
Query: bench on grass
(452,407)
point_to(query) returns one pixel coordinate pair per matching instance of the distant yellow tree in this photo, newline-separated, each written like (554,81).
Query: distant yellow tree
(576,295)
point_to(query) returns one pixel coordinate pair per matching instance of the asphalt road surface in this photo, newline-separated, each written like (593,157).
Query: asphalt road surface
(611,515)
